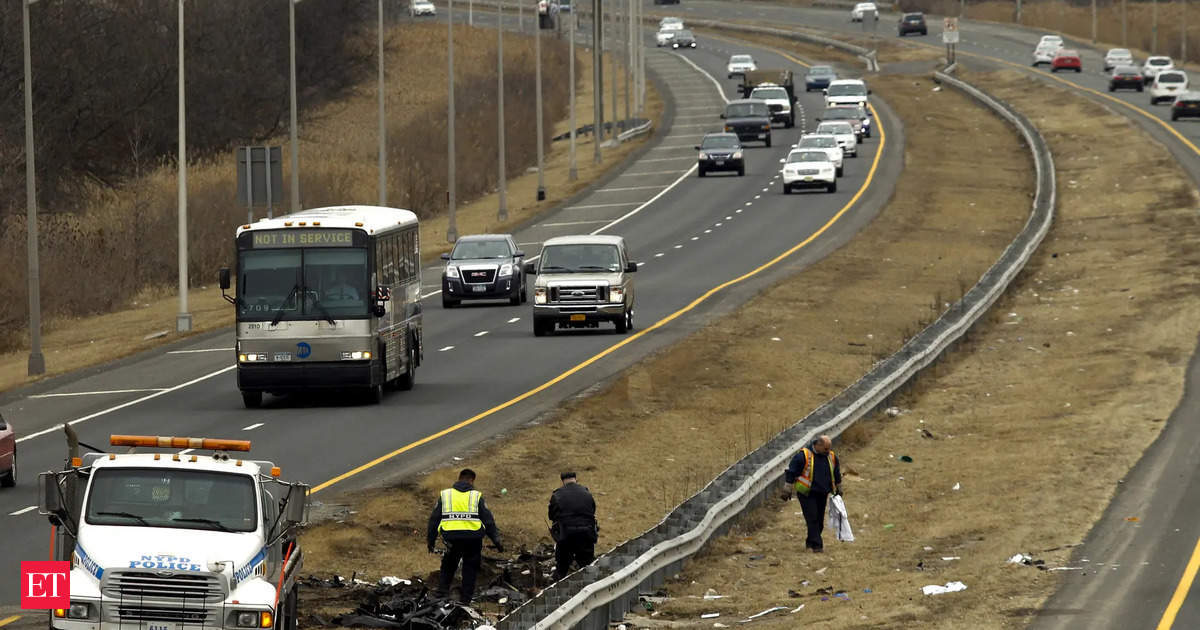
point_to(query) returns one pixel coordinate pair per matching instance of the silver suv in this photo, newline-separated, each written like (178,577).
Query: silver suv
(582,281)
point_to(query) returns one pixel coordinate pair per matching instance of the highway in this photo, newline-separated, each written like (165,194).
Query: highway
(707,245)
(1148,569)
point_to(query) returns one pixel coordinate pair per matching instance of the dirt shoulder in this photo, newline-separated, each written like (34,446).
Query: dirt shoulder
(1051,400)
(663,429)
(74,343)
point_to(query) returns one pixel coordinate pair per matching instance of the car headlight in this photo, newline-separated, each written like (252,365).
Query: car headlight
(451,271)
(737,155)
(506,270)
(703,156)
(356,355)
(616,294)
(675,45)
(539,295)
(766,127)
(866,122)
(251,357)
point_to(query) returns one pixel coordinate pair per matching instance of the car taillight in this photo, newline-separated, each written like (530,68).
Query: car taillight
(1178,103)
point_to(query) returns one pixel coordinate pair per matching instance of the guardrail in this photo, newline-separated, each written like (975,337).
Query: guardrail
(606,589)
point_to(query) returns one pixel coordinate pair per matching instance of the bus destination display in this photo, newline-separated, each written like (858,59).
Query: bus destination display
(318,237)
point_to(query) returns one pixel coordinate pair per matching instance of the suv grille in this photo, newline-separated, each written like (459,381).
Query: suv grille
(775,107)
(576,295)
(478,276)
(144,585)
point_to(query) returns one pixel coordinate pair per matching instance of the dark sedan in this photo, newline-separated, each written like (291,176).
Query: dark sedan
(1187,105)
(818,78)
(1126,78)
(683,39)
(8,454)
(749,119)
(720,152)
(483,267)
(913,23)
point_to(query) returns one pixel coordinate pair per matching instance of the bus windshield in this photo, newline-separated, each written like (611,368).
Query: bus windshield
(188,499)
(302,284)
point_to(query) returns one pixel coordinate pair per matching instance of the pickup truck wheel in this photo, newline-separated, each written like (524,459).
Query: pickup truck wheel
(252,399)
(409,378)
(787,190)
(541,329)
(624,323)
(9,479)
(524,292)
(832,187)
(839,171)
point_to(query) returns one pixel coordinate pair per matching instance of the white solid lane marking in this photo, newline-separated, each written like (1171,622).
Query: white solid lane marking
(728,218)
(764,190)
(99,393)
(629,188)
(717,224)
(202,350)
(695,238)
(481,333)
(749,203)
(758,196)
(650,173)
(670,159)
(708,231)
(675,146)
(738,211)
(104,412)
(679,247)
(720,90)
(431,294)
(446,348)
(253,426)
(570,223)
(23,510)
(514,320)
(600,205)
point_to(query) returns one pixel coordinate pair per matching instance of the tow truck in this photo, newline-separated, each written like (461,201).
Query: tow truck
(175,539)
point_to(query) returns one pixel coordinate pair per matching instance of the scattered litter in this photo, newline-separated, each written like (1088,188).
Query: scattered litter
(719,625)
(458,459)
(793,594)
(906,458)
(710,615)
(1020,558)
(804,583)
(893,411)
(1132,519)
(763,614)
(797,609)
(156,335)
(711,594)
(1065,569)
(867,590)
(391,580)
(820,571)
(949,558)
(928,548)
(937,88)
(776,339)
(842,596)
(503,490)
(957,486)
(938,589)
(889,526)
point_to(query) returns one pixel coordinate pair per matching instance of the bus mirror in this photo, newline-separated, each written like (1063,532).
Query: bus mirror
(531,268)
(224,278)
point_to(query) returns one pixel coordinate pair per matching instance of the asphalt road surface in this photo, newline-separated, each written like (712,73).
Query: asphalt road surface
(484,372)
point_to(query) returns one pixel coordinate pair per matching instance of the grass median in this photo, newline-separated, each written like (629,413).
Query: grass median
(660,431)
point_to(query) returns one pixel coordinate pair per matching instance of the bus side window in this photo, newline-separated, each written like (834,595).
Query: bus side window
(391,253)
(410,255)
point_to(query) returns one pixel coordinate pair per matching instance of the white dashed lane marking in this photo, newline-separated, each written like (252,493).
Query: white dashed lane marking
(252,427)
(23,510)
(445,349)
(481,333)
(514,320)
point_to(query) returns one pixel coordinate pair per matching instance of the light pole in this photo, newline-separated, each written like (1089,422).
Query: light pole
(1124,23)
(37,363)
(382,118)
(183,321)
(597,81)
(502,213)
(295,144)
(628,37)
(537,53)
(451,180)
(1154,27)
(572,164)
(1093,21)
(1182,31)
(613,31)
(471,12)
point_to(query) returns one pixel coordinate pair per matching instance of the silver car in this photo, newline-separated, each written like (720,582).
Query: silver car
(582,281)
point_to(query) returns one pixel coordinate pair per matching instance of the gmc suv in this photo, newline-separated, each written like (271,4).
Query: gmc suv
(581,282)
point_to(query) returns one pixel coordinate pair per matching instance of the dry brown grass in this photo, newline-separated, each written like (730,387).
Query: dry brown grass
(71,343)
(1053,398)
(667,426)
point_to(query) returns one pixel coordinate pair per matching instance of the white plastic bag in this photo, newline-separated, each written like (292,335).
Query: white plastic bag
(839,519)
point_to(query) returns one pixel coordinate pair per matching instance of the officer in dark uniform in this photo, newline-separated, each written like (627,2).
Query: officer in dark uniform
(463,520)
(573,514)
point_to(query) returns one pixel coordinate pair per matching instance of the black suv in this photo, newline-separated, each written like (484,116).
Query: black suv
(748,118)
(913,23)
(720,152)
(483,267)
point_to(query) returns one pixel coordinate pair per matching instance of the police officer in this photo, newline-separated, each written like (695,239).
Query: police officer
(463,519)
(815,474)
(573,514)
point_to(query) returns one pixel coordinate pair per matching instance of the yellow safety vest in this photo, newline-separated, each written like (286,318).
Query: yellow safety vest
(804,481)
(460,511)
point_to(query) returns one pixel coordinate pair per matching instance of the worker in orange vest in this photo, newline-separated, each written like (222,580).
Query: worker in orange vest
(814,474)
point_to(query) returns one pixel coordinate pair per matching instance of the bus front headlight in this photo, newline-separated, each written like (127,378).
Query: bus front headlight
(251,357)
(539,295)
(356,355)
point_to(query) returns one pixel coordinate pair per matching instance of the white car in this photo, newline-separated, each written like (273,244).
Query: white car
(1047,39)
(664,37)
(1167,85)
(740,64)
(421,7)
(1044,53)
(826,143)
(1154,65)
(670,24)
(846,92)
(1117,57)
(808,168)
(856,14)
(843,132)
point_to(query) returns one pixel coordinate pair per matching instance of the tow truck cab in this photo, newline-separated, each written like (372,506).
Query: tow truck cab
(163,540)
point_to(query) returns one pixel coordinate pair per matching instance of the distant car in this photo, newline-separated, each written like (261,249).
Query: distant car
(1125,78)
(1066,59)
(856,115)
(663,37)
(720,152)
(818,78)
(1186,105)
(846,92)
(826,143)
(1045,52)
(749,119)
(843,132)
(861,9)
(740,64)
(778,100)
(8,454)
(666,1)
(670,24)
(1117,57)
(912,23)
(683,39)
(1167,85)
(1051,39)
(1154,65)
(483,267)
(808,168)
(421,7)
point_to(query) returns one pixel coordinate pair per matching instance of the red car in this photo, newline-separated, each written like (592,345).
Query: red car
(1066,60)
(8,455)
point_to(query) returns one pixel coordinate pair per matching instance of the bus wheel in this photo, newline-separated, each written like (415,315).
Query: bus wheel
(375,394)
(409,378)
(252,399)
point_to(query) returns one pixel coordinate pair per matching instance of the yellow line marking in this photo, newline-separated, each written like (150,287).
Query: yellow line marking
(638,335)
(1181,591)
(5,622)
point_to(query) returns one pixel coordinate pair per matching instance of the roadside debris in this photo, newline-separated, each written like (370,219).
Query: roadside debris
(763,614)
(938,589)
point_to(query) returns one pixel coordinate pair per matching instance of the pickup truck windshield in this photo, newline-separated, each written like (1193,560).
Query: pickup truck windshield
(581,258)
(182,499)
(747,110)
(847,90)
(769,94)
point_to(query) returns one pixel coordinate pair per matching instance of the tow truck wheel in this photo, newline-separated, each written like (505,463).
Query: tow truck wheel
(252,399)
(291,610)
(409,378)
(9,479)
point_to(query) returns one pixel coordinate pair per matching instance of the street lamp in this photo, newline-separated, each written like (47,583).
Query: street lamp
(382,119)
(451,200)
(37,363)
(597,80)
(537,53)
(572,164)
(502,213)
(183,321)
(295,144)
